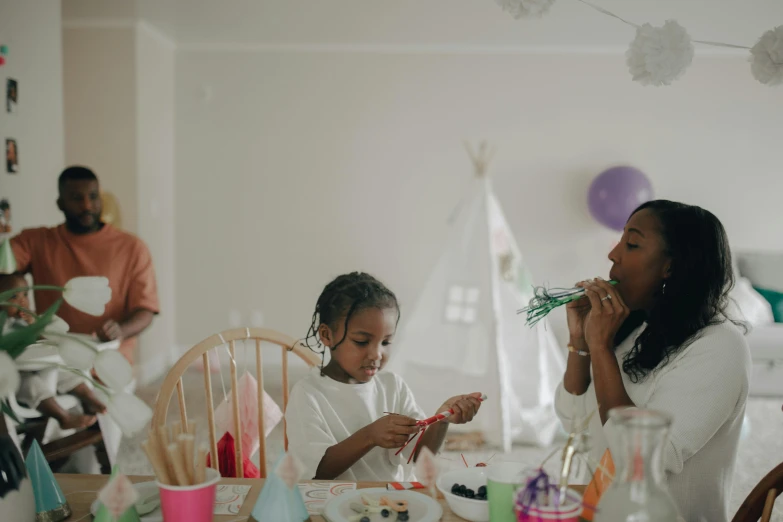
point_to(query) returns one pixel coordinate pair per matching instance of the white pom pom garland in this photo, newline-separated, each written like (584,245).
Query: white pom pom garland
(526,8)
(766,57)
(659,55)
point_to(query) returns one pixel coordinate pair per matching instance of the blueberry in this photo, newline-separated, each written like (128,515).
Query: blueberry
(364,519)
(482,490)
(480,497)
(470,493)
(462,490)
(455,488)
(402,517)
(385,513)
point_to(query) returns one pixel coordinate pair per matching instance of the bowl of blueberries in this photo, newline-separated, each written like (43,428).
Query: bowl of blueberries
(465,491)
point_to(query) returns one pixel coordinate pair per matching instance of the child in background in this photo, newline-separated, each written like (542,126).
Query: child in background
(38,389)
(337,416)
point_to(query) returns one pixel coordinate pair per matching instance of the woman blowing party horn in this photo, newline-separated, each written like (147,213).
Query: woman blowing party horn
(660,339)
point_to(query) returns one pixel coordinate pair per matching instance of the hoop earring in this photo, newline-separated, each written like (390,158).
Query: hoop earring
(663,289)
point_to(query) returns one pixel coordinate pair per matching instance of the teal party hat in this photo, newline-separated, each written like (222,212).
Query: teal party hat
(7,258)
(281,498)
(50,503)
(104,513)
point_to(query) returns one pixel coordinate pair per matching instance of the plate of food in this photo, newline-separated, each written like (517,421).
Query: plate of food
(380,505)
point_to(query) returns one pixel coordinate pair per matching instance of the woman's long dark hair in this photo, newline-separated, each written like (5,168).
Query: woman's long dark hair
(695,294)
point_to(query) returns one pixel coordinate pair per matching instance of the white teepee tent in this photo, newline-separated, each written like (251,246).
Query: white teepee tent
(464,334)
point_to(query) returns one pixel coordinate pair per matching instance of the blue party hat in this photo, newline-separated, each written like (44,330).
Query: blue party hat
(281,498)
(50,503)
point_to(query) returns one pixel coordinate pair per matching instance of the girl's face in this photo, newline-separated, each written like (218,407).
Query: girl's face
(364,349)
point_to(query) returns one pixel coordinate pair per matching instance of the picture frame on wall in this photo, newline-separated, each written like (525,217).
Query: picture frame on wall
(11,95)
(11,156)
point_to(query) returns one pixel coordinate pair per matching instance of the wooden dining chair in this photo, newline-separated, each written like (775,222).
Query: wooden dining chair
(201,351)
(760,501)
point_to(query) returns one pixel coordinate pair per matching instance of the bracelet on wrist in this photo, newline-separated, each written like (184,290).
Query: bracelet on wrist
(577,351)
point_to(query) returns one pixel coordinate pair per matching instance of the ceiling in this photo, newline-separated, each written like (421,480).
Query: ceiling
(427,24)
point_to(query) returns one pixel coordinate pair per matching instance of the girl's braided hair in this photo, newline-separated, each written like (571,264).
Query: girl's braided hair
(343,297)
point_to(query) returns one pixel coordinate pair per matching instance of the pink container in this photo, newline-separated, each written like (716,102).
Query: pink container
(189,503)
(568,512)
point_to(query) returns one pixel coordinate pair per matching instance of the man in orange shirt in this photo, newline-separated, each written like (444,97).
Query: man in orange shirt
(84,246)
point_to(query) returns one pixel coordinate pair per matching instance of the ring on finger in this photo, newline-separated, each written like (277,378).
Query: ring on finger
(607,296)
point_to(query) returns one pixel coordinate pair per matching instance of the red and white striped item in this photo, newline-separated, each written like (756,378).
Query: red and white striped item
(404,485)
(424,424)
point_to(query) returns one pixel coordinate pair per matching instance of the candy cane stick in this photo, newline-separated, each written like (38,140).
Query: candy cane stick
(424,424)
(443,415)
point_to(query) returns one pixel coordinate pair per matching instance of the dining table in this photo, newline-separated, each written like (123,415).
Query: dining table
(81,491)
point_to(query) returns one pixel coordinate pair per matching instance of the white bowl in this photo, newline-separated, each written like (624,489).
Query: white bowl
(467,508)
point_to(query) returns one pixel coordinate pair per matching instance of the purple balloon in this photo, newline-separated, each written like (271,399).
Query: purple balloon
(615,194)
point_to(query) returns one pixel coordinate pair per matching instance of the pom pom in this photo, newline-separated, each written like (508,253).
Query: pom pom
(766,60)
(526,8)
(118,495)
(290,470)
(659,55)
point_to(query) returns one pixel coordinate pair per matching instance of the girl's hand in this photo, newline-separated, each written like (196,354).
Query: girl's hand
(607,313)
(465,408)
(391,431)
(576,312)
(29,319)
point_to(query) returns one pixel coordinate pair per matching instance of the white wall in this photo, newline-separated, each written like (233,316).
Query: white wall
(304,165)
(119,114)
(155,55)
(100,109)
(32,32)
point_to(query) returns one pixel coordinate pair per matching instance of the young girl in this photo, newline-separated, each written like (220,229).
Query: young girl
(347,420)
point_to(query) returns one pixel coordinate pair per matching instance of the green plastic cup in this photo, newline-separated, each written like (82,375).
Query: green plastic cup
(503,480)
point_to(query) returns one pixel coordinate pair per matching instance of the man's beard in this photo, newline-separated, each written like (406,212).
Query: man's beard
(76,226)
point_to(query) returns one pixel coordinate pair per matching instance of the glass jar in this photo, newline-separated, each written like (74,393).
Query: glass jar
(639,492)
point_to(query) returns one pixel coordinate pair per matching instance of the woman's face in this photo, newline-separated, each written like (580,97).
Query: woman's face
(639,261)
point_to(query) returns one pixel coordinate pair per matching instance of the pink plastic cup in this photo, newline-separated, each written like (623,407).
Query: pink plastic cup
(567,512)
(189,503)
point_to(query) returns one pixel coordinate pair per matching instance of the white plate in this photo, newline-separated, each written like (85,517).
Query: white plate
(144,489)
(421,507)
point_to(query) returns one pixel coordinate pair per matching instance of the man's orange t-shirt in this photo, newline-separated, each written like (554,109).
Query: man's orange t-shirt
(54,255)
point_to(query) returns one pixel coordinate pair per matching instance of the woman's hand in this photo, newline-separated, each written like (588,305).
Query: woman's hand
(576,312)
(607,313)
